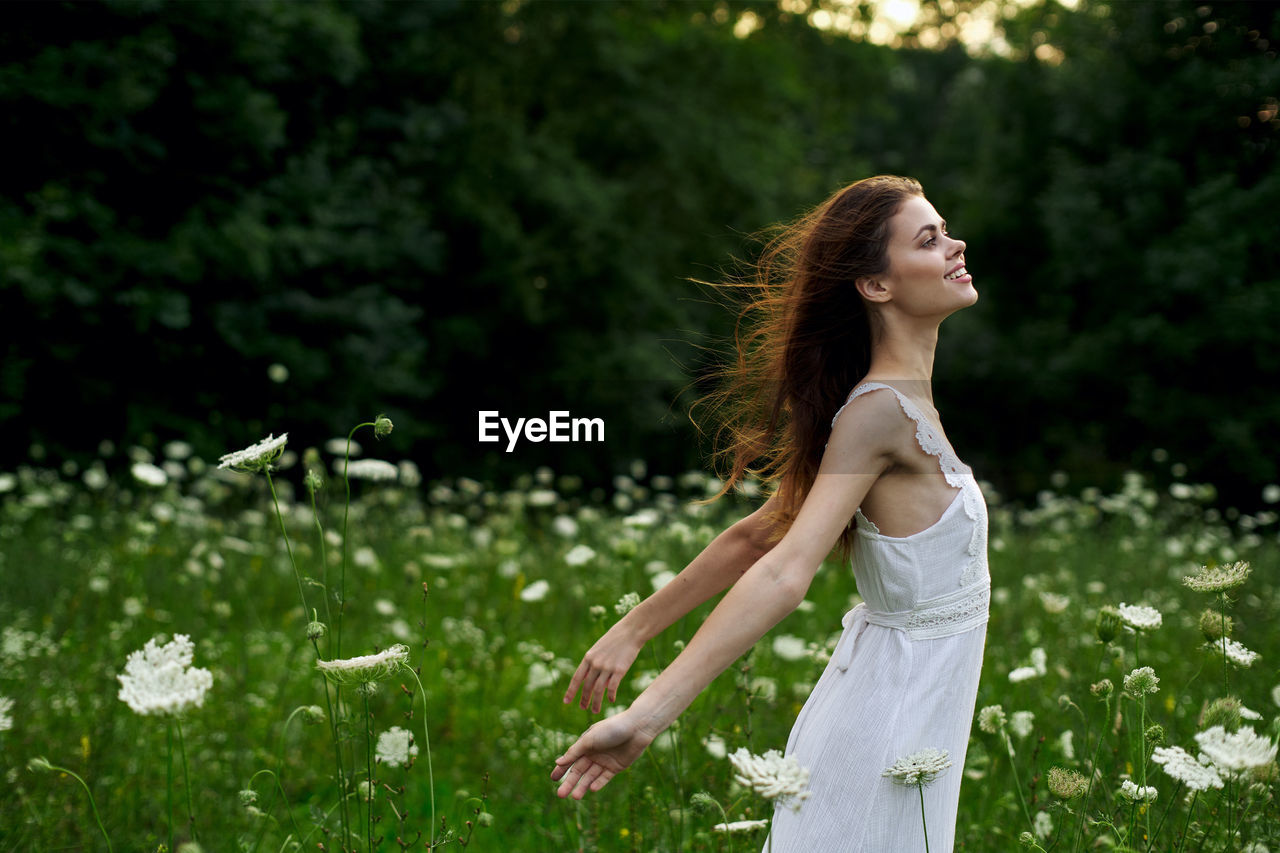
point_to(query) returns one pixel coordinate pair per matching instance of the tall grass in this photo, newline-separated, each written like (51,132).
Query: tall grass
(92,569)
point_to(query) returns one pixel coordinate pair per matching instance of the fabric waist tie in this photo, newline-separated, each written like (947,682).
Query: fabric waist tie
(954,613)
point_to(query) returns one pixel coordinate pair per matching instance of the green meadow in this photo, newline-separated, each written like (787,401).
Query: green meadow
(497,591)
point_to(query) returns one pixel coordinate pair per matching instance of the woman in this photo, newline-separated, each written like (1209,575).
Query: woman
(852,298)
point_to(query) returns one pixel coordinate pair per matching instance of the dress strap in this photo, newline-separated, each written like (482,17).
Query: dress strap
(926,435)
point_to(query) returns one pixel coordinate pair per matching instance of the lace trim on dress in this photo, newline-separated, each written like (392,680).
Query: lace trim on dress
(957,474)
(955,613)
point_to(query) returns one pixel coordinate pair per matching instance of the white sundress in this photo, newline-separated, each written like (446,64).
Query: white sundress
(903,677)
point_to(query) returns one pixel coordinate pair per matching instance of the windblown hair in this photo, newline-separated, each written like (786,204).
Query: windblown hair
(802,342)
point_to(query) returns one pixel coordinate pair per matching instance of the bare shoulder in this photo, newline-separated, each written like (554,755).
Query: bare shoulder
(870,428)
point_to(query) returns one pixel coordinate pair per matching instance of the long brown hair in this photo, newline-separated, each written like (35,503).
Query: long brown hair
(801,343)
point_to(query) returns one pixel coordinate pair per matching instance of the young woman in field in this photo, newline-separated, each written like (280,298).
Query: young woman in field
(832,390)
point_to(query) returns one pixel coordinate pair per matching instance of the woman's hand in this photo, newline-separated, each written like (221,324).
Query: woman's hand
(603,666)
(603,751)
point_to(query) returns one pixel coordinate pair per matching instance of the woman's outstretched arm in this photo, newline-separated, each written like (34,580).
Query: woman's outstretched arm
(861,448)
(720,564)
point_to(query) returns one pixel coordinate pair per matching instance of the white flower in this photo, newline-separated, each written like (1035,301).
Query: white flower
(365,668)
(338,447)
(565,526)
(1218,578)
(256,457)
(772,776)
(1235,652)
(1249,714)
(535,591)
(540,676)
(919,768)
(396,746)
(1054,603)
(1236,752)
(579,554)
(541,497)
(740,826)
(6,718)
(160,679)
(1137,793)
(1023,673)
(1142,681)
(715,746)
(627,603)
(991,719)
(661,579)
(1022,722)
(145,472)
(788,647)
(1140,617)
(1039,660)
(1180,765)
(367,469)
(1042,824)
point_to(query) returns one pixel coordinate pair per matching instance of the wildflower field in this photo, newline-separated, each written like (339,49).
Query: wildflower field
(161,633)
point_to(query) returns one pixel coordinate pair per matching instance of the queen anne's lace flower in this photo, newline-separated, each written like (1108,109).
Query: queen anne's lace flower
(367,469)
(535,591)
(396,747)
(256,457)
(1238,752)
(366,668)
(1022,723)
(1140,617)
(771,775)
(740,826)
(6,713)
(1218,578)
(919,768)
(1182,766)
(160,679)
(1235,652)
(1066,784)
(627,603)
(1138,793)
(991,719)
(1142,681)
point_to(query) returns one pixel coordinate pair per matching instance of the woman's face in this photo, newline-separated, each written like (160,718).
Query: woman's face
(926,276)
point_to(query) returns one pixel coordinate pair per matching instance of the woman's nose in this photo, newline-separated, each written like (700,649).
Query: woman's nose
(959,247)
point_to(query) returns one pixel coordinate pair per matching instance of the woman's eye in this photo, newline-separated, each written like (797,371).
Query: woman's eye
(930,241)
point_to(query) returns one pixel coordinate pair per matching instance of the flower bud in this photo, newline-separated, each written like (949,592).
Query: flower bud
(248,797)
(1108,624)
(1102,689)
(1155,734)
(1066,784)
(316,630)
(382,426)
(39,763)
(1223,712)
(485,818)
(313,715)
(1215,625)
(313,481)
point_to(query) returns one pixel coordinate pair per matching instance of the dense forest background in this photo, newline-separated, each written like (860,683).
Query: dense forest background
(432,208)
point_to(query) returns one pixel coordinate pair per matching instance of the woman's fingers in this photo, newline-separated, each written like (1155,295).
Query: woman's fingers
(580,674)
(589,688)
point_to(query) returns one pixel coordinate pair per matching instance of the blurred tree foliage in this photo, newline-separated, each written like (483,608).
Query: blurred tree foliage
(432,208)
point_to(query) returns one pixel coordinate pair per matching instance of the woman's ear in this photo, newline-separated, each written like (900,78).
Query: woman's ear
(871,289)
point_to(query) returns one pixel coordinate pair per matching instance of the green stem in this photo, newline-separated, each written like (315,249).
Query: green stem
(343,815)
(1151,840)
(346,512)
(923,820)
(1190,811)
(186,781)
(93,805)
(1017,783)
(368,760)
(426,742)
(324,569)
(279,788)
(297,576)
(169,782)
